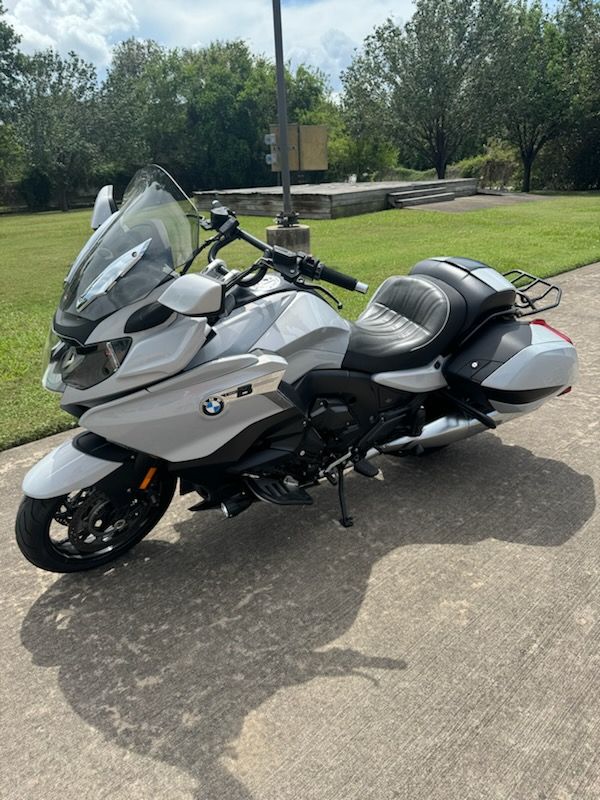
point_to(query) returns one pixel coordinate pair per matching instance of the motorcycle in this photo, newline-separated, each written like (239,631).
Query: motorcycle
(246,385)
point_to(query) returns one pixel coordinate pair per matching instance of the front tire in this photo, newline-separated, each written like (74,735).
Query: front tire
(37,520)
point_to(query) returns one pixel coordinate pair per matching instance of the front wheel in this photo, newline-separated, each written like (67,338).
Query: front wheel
(87,529)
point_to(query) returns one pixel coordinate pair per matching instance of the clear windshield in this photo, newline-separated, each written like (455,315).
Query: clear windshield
(154,233)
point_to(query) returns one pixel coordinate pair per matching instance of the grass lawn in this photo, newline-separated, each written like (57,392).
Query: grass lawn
(544,237)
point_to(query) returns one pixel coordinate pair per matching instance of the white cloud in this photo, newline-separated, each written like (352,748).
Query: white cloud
(323,33)
(86,26)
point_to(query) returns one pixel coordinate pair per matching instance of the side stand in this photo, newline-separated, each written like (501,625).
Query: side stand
(346,520)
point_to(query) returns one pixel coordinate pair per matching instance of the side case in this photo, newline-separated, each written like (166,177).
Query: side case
(514,366)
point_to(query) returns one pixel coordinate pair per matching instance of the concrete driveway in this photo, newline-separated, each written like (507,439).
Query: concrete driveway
(477,202)
(445,648)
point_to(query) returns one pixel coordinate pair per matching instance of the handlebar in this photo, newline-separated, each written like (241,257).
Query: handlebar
(287,262)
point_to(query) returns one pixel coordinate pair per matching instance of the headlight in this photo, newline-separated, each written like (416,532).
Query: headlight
(85,366)
(54,349)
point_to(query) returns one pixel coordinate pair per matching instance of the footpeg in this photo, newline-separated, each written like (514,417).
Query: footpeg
(274,491)
(365,468)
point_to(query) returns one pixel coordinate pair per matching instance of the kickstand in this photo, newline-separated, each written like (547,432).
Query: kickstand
(346,520)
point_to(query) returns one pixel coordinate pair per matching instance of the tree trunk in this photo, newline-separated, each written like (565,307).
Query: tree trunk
(62,198)
(440,167)
(527,165)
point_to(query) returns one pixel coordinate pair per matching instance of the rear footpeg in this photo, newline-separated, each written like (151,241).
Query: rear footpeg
(271,490)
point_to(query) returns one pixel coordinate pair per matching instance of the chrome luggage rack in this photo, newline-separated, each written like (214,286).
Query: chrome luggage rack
(532,292)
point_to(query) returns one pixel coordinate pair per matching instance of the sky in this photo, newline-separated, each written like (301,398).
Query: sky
(323,33)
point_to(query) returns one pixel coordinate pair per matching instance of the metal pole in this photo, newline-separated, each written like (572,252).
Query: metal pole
(288,214)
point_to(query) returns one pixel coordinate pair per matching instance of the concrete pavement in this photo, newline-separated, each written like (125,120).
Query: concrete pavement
(445,648)
(477,202)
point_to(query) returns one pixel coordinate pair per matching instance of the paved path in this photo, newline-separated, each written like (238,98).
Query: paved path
(477,202)
(445,648)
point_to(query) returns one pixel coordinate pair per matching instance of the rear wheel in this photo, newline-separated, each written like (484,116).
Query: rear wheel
(89,528)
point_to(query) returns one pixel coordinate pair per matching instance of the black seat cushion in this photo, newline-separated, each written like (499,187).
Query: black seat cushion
(409,321)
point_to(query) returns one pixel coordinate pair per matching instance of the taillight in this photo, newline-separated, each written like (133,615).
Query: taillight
(566,390)
(550,328)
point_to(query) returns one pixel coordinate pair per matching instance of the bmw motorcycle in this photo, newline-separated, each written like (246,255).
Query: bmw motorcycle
(246,385)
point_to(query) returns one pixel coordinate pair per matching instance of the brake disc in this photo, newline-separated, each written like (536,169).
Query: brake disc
(65,511)
(97,523)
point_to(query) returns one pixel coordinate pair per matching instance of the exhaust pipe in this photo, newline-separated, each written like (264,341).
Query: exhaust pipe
(235,505)
(442,431)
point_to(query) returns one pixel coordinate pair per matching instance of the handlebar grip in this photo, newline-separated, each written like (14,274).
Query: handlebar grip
(341,280)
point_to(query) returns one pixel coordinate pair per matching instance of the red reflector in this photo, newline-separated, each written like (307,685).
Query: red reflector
(544,324)
(565,391)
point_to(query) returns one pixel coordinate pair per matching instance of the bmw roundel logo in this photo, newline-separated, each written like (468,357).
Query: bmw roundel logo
(213,406)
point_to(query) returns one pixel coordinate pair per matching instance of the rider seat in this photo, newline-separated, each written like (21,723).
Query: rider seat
(408,322)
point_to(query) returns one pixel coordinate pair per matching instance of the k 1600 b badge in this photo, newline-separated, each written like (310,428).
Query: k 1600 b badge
(213,406)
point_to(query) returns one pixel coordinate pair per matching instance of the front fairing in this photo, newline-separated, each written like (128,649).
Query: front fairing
(154,233)
(153,355)
(123,266)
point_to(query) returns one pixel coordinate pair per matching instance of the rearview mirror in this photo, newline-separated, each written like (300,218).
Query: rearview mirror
(104,207)
(193,296)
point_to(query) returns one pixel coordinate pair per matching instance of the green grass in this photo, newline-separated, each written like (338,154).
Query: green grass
(36,250)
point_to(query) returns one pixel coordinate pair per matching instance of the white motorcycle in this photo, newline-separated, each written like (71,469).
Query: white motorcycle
(248,385)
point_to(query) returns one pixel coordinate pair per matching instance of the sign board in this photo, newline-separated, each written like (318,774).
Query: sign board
(307,147)
(313,147)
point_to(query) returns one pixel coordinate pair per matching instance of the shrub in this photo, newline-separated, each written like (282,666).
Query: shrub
(471,167)
(498,166)
(401,173)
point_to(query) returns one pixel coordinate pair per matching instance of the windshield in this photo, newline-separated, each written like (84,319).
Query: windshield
(154,233)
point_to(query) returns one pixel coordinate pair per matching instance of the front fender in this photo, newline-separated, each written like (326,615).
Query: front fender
(64,470)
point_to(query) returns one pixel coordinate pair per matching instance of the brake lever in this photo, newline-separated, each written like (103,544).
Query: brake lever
(325,291)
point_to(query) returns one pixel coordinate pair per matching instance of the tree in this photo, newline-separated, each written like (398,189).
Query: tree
(231,101)
(366,142)
(413,84)
(223,116)
(55,119)
(532,100)
(577,161)
(10,153)
(10,64)
(124,100)
(143,110)
(201,113)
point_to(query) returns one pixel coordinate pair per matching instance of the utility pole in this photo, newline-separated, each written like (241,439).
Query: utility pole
(287,232)
(287,217)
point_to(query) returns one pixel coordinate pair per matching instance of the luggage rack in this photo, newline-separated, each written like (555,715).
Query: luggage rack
(532,292)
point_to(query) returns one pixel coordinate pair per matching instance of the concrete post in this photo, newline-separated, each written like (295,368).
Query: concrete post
(296,237)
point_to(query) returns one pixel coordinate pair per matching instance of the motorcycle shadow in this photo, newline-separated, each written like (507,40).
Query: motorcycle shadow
(168,652)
